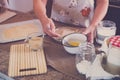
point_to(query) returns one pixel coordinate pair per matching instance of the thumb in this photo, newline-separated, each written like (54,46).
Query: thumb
(85,32)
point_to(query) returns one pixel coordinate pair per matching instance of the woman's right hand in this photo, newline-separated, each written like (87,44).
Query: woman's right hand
(49,27)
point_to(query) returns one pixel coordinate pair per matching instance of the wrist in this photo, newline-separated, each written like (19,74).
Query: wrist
(93,25)
(43,18)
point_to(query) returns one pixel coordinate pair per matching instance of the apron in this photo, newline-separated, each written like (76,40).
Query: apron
(75,12)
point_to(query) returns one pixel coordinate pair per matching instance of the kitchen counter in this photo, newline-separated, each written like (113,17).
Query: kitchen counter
(53,73)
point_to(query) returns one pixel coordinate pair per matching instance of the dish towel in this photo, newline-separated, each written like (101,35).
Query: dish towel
(96,71)
(4,77)
(6,15)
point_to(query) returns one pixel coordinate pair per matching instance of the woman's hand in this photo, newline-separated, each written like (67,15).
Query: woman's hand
(47,23)
(49,27)
(99,13)
(91,33)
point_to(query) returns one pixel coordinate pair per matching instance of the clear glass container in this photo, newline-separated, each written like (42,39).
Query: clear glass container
(113,60)
(105,29)
(85,57)
(35,41)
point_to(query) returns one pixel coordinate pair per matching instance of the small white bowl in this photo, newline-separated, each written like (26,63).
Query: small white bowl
(74,36)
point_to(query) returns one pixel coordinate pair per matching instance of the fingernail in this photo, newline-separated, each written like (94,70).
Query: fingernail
(92,42)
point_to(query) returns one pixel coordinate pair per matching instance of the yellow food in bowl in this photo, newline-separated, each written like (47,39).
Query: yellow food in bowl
(74,43)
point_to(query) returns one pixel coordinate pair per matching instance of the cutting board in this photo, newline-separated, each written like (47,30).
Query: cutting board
(24,61)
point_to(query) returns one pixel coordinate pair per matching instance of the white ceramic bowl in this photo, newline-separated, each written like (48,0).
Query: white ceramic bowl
(74,36)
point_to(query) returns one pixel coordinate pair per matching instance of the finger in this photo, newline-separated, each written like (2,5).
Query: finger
(88,38)
(94,33)
(85,32)
(52,26)
(51,32)
(91,38)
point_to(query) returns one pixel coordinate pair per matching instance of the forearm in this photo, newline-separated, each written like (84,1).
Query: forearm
(100,12)
(40,9)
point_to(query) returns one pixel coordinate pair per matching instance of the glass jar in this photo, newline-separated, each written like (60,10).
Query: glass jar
(35,41)
(85,57)
(113,56)
(113,60)
(105,29)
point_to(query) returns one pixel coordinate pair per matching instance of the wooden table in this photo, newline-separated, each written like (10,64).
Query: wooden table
(52,74)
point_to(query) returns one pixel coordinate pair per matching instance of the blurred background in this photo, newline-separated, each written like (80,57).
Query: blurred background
(18,5)
(21,5)
(113,13)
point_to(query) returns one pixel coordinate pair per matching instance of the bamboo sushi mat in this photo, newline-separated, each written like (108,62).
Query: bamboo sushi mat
(23,61)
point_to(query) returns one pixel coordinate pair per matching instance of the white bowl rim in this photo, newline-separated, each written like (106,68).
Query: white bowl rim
(73,34)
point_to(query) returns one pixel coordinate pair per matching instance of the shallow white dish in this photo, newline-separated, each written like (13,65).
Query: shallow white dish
(6,26)
(76,36)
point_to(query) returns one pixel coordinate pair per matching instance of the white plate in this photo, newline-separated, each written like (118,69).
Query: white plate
(5,26)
